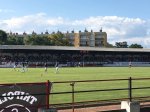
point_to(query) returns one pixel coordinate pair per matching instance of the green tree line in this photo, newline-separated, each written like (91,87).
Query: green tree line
(56,39)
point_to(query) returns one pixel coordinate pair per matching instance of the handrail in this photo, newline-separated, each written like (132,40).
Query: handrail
(130,88)
(72,91)
(89,80)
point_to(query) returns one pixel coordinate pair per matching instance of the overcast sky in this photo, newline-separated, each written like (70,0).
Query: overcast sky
(122,20)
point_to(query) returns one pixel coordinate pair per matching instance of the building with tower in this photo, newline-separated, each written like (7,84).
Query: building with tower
(89,39)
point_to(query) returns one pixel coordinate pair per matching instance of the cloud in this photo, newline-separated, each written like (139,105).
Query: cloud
(132,30)
(38,22)
(6,11)
(115,25)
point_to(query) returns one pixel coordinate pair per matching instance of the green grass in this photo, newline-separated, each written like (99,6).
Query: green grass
(8,75)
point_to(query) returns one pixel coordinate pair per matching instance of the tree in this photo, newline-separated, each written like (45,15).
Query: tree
(14,40)
(122,44)
(3,37)
(58,39)
(109,45)
(135,46)
(37,40)
(28,40)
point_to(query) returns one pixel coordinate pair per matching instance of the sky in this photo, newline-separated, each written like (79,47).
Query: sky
(122,20)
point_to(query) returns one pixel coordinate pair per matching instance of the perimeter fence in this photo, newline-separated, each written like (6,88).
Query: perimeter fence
(73,94)
(99,92)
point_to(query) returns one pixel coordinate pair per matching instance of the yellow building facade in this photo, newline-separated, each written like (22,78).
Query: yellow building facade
(89,39)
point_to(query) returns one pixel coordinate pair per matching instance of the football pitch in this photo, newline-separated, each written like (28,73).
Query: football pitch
(9,75)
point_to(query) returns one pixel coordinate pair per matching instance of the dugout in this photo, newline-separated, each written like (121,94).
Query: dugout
(74,56)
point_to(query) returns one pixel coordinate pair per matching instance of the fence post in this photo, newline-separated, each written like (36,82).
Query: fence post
(47,93)
(130,89)
(72,84)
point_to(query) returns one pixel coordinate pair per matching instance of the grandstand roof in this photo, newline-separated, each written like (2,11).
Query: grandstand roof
(36,47)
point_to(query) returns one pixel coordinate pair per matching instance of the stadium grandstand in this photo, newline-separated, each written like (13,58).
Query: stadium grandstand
(72,56)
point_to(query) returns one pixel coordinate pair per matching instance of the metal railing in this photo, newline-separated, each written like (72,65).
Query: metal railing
(130,87)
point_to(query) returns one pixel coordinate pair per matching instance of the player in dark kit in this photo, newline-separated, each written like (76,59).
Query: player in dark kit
(130,64)
(45,68)
(23,66)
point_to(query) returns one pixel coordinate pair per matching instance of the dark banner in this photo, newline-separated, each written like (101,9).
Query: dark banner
(23,97)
